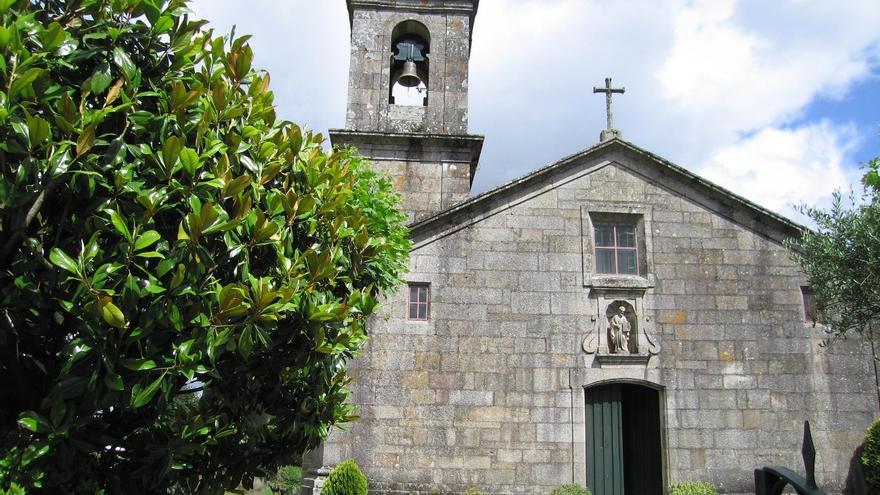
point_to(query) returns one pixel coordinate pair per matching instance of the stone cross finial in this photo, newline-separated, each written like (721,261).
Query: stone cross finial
(610,131)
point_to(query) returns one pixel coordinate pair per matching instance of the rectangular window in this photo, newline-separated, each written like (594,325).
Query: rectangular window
(617,248)
(811,313)
(419,302)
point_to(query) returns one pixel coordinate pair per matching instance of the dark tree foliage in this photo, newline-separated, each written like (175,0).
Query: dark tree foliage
(841,258)
(183,276)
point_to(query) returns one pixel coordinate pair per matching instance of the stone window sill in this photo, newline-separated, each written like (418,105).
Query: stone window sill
(620,282)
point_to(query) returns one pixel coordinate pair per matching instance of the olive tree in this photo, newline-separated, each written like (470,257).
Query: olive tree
(183,275)
(840,258)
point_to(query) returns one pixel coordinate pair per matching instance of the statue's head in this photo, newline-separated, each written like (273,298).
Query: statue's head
(621,310)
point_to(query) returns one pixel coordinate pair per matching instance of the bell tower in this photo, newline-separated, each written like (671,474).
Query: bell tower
(407,98)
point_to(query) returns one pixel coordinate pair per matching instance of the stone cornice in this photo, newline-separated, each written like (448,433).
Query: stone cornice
(463,6)
(473,143)
(468,7)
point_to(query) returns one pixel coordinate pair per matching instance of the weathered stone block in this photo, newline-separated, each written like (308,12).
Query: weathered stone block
(470,398)
(529,303)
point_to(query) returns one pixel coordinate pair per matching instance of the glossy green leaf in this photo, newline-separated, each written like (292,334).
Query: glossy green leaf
(24,80)
(163,24)
(181,232)
(60,258)
(171,150)
(190,160)
(146,240)
(123,61)
(237,185)
(112,314)
(178,276)
(114,382)
(246,342)
(141,396)
(53,36)
(101,79)
(86,140)
(32,421)
(152,9)
(119,224)
(139,364)
(59,163)
(151,254)
(5,4)
(39,131)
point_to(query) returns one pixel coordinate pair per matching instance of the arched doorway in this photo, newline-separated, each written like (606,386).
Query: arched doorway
(623,440)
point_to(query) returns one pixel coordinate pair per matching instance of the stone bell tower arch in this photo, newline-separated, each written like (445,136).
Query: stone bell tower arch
(408,98)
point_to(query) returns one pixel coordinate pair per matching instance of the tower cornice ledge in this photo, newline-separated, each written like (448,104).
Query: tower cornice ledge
(432,6)
(464,148)
(419,5)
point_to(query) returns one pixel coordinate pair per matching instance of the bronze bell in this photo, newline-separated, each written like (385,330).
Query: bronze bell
(409,76)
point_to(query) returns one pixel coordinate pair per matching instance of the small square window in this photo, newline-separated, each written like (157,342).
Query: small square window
(617,248)
(811,312)
(419,302)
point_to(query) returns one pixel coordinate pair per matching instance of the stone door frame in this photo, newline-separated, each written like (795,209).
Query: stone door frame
(581,380)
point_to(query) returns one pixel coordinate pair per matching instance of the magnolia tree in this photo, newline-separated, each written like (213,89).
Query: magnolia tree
(183,276)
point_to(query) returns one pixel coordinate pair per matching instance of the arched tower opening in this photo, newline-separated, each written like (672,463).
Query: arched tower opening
(410,46)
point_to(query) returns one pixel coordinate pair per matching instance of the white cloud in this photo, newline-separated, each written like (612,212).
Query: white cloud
(740,78)
(713,85)
(779,167)
(303,44)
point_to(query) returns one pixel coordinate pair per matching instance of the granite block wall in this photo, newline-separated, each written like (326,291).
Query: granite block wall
(432,172)
(489,392)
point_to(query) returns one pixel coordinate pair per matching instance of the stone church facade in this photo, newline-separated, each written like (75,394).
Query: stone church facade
(611,320)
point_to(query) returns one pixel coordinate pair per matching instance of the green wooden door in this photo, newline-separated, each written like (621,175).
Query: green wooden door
(623,440)
(604,440)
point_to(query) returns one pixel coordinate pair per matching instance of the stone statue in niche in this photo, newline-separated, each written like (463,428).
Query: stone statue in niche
(621,329)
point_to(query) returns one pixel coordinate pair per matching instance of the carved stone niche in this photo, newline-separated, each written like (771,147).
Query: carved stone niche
(621,334)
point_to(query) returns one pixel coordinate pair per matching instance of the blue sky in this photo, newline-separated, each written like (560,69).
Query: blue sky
(861,106)
(778,101)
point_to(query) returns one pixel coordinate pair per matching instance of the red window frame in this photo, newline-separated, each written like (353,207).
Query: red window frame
(615,248)
(419,303)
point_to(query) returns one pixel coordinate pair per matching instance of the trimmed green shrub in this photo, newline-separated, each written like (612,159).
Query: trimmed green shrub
(288,479)
(346,479)
(693,488)
(570,490)
(871,457)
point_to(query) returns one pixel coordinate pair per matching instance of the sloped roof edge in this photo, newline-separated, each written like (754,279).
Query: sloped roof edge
(459,214)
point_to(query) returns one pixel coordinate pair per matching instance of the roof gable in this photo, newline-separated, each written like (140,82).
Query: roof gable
(650,167)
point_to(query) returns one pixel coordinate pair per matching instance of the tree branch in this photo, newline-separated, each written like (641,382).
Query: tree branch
(15,239)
